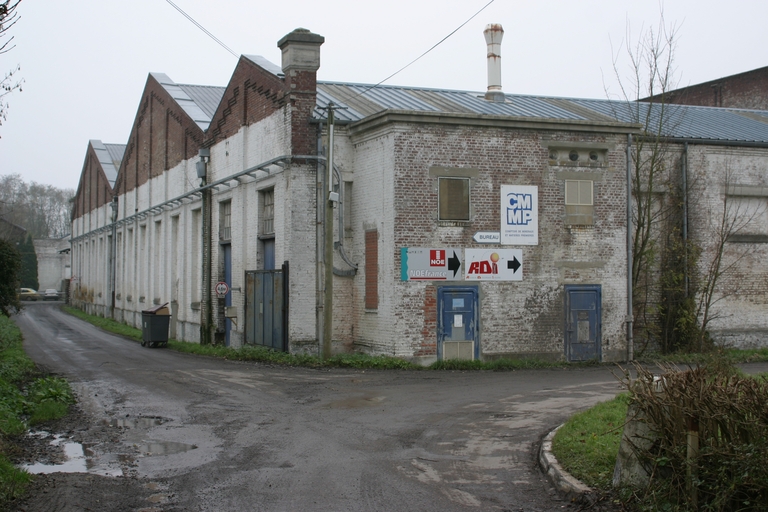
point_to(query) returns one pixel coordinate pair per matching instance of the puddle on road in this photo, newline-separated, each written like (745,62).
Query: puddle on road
(75,461)
(357,402)
(79,458)
(137,422)
(153,448)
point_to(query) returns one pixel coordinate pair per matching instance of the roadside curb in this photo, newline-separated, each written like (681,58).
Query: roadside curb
(560,478)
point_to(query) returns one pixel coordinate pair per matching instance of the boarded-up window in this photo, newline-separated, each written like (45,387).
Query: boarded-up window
(578,192)
(453,198)
(372,269)
(579,202)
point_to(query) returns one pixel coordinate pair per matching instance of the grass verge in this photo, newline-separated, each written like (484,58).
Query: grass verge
(361,361)
(588,443)
(26,399)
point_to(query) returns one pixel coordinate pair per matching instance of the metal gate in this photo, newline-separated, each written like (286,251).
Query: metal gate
(583,319)
(266,308)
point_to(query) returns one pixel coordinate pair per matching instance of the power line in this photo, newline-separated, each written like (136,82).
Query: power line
(426,52)
(190,18)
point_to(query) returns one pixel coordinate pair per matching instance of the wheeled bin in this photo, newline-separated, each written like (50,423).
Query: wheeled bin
(154,326)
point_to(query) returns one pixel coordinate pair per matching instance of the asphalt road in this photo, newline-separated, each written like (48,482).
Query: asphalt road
(223,435)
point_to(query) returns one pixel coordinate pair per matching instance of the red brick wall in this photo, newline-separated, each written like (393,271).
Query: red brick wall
(745,90)
(93,190)
(163,135)
(251,95)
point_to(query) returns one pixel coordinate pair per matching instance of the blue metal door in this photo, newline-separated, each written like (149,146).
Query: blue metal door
(583,322)
(269,254)
(228,297)
(457,329)
(266,308)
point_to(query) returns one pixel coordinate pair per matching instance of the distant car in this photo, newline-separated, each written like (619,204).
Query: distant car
(28,294)
(50,294)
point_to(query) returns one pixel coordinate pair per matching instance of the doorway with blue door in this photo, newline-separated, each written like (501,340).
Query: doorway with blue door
(583,322)
(458,323)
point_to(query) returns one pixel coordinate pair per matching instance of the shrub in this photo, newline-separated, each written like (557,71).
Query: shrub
(726,468)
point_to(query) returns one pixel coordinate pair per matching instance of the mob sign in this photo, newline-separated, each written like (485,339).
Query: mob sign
(519,215)
(428,264)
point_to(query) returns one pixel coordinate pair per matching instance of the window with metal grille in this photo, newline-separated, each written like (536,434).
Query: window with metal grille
(225,233)
(268,212)
(578,193)
(453,199)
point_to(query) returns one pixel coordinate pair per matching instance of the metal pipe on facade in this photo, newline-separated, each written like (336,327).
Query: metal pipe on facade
(684,169)
(328,241)
(630,338)
(113,259)
(206,335)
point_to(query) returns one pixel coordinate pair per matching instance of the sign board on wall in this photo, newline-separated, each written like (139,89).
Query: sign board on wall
(519,215)
(428,264)
(493,264)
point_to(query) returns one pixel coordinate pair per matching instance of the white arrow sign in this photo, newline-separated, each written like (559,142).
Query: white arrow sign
(487,237)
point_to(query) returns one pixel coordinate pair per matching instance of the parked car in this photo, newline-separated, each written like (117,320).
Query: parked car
(51,294)
(28,294)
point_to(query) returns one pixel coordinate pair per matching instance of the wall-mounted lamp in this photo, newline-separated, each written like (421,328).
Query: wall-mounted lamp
(114,208)
(202,164)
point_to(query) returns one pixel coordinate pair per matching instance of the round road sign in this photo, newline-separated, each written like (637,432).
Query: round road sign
(222,288)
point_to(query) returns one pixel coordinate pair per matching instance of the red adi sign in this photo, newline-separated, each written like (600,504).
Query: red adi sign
(493,264)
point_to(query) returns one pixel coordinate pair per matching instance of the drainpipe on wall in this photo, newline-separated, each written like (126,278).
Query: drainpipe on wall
(684,170)
(328,243)
(113,258)
(206,327)
(630,340)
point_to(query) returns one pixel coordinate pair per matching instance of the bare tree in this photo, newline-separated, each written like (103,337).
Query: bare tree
(43,210)
(733,221)
(655,188)
(10,82)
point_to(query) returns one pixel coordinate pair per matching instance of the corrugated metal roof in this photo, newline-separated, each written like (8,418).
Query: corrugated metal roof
(198,101)
(207,97)
(105,160)
(264,63)
(116,152)
(680,121)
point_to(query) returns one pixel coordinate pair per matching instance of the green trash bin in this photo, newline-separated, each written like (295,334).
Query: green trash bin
(154,326)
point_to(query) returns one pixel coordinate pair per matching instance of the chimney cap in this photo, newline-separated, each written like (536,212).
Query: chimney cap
(300,35)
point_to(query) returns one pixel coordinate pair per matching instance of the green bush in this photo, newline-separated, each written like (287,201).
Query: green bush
(728,411)
(25,399)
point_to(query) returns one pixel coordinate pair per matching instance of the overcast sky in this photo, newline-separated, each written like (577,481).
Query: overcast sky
(85,62)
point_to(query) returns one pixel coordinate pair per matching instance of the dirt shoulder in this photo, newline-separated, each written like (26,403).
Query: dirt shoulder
(77,492)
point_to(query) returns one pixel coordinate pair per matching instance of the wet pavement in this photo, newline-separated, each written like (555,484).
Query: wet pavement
(222,435)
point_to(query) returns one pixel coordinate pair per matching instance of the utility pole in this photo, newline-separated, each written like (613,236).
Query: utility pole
(207,307)
(113,258)
(328,243)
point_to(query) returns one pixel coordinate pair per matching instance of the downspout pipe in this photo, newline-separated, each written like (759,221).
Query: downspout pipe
(206,337)
(113,258)
(329,197)
(630,228)
(684,172)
